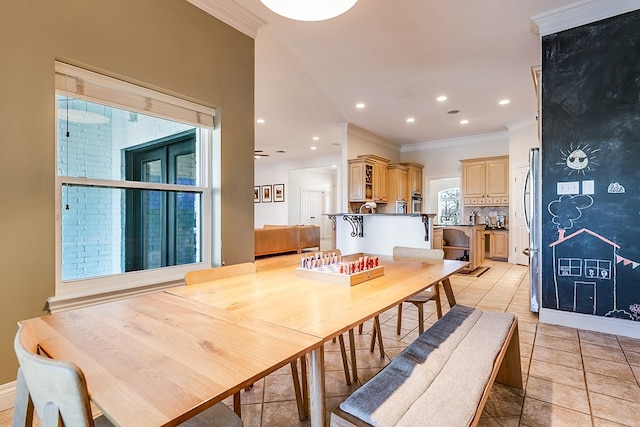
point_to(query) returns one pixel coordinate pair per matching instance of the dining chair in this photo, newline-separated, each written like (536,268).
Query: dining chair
(217,273)
(431,293)
(57,390)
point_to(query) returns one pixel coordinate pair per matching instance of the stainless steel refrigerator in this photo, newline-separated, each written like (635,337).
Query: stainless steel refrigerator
(532,205)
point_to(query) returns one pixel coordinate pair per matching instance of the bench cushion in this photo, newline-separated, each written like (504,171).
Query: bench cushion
(439,379)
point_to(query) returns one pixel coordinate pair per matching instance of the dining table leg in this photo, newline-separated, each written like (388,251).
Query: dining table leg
(316,387)
(451,299)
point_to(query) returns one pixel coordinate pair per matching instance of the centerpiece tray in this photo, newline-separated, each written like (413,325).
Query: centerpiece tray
(331,274)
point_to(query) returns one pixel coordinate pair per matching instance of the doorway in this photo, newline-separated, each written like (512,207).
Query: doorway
(161,226)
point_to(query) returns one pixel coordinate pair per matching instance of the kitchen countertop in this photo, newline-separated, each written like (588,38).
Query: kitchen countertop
(469,225)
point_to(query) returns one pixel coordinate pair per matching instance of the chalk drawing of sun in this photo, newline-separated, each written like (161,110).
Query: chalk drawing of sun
(579,159)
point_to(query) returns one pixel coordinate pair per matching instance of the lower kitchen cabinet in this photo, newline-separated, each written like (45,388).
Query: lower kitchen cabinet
(499,244)
(461,242)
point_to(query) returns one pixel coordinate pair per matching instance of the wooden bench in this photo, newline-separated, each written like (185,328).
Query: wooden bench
(444,377)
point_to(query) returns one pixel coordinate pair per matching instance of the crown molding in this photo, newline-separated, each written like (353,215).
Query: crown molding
(454,142)
(579,13)
(521,123)
(354,130)
(231,13)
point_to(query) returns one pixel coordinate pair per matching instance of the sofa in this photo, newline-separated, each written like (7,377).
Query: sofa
(276,239)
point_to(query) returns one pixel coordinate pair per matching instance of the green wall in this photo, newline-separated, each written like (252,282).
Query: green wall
(168,45)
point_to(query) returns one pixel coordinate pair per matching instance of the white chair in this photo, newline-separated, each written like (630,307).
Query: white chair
(58,391)
(432,293)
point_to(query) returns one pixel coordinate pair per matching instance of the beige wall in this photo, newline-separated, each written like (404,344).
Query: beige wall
(164,44)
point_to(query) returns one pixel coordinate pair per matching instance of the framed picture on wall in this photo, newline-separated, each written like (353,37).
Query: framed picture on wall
(256,194)
(278,192)
(266,193)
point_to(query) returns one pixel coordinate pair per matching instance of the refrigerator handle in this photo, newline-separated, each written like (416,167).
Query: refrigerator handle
(527,218)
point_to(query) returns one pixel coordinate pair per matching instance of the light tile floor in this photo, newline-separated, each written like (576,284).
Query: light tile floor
(572,377)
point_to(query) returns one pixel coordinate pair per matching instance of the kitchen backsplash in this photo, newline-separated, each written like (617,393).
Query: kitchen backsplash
(486,211)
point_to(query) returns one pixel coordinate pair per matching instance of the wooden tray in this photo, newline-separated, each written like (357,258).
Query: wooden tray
(340,279)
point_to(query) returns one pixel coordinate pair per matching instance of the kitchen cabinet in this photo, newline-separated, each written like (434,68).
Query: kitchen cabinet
(463,242)
(414,179)
(499,244)
(436,238)
(368,179)
(397,178)
(485,182)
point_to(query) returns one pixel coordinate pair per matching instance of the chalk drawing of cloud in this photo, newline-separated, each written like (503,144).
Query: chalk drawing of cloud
(616,188)
(568,209)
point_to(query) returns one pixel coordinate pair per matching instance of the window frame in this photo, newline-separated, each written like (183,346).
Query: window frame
(78,292)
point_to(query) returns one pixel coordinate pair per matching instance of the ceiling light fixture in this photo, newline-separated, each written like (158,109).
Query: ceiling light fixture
(360,105)
(316,138)
(441,98)
(464,122)
(411,119)
(261,121)
(309,10)
(504,102)
(314,148)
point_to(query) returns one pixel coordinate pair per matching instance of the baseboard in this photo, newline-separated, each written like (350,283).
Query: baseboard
(7,395)
(588,322)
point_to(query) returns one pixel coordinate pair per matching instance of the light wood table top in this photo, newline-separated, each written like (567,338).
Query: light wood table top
(322,309)
(158,359)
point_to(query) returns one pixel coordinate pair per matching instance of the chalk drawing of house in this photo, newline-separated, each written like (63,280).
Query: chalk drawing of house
(584,265)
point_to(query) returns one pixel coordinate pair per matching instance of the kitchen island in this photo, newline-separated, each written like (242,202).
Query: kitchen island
(461,242)
(379,233)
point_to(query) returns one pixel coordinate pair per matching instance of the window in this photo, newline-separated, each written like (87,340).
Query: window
(449,206)
(569,267)
(135,196)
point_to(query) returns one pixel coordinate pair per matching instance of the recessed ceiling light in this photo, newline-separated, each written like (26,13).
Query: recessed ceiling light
(411,119)
(441,98)
(453,111)
(504,102)
(334,166)
(464,122)
(314,148)
(360,105)
(261,121)
(316,138)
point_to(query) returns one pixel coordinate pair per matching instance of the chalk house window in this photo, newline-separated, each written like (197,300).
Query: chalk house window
(134,195)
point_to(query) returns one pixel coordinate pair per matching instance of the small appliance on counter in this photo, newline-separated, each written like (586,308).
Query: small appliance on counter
(401,207)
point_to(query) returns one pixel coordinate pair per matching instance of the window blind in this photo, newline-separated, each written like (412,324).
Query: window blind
(83,84)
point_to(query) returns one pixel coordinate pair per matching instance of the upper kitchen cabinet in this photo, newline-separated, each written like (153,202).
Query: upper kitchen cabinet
(486,181)
(368,179)
(414,182)
(398,177)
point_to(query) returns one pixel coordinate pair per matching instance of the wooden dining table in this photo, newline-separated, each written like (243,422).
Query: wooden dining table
(318,308)
(159,359)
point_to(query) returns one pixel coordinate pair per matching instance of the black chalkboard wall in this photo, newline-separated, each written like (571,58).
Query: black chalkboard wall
(591,168)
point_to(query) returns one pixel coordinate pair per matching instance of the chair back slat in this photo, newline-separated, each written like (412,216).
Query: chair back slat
(422,253)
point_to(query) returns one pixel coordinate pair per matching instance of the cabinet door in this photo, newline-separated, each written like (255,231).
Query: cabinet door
(499,244)
(436,239)
(356,182)
(473,176)
(380,181)
(497,183)
(415,179)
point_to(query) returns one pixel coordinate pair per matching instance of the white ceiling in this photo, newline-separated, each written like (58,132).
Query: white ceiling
(396,57)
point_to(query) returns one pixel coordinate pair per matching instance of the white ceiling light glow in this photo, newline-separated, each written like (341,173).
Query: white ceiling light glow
(309,10)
